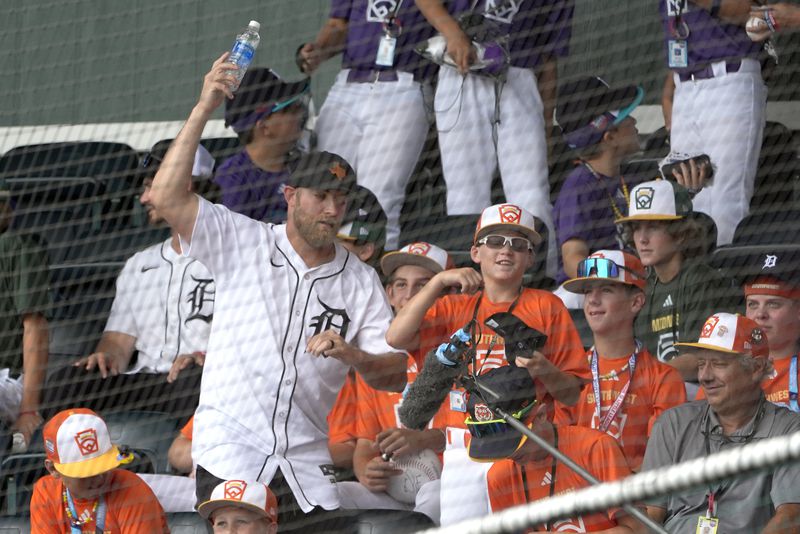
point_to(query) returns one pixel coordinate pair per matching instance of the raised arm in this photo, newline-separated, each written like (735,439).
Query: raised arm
(34,366)
(171,192)
(403,333)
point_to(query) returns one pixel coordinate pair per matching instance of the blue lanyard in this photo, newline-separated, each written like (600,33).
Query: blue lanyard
(100,520)
(793,385)
(605,422)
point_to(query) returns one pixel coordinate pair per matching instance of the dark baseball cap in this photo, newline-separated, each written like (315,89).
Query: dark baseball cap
(588,107)
(261,93)
(365,220)
(324,171)
(493,438)
(747,263)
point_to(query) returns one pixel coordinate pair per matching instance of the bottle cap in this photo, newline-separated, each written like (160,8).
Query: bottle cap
(255,25)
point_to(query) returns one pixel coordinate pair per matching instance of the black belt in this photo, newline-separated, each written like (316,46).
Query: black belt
(373,75)
(707,72)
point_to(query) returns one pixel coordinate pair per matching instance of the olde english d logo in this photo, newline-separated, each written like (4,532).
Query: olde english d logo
(330,319)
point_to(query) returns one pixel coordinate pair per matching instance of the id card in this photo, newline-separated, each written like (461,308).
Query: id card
(678,54)
(457,401)
(707,525)
(385,56)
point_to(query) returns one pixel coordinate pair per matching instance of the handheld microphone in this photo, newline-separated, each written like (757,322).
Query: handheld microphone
(442,367)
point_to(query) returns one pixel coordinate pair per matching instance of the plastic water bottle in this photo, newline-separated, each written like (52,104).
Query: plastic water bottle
(244,49)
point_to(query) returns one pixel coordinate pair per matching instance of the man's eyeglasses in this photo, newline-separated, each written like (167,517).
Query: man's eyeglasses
(602,268)
(497,242)
(482,429)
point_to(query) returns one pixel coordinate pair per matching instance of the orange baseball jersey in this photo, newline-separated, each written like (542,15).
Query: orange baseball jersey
(187,429)
(538,309)
(131,507)
(344,414)
(379,410)
(596,452)
(656,387)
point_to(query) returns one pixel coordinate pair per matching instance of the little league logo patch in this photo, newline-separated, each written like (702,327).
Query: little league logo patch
(708,328)
(421,249)
(721,331)
(644,198)
(502,10)
(510,213)
(379,10)
(483,413)
(87,441)
(234,489)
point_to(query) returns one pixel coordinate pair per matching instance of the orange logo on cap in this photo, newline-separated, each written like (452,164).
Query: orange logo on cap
(338,170)
(709,326)
(87,441)
(510,213)
(234,489)
(721,331)
(421,249)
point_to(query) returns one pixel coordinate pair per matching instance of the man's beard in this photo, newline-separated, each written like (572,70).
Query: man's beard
(315,235)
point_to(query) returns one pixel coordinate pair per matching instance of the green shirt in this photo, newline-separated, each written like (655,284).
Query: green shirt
(24,282)
(676,311)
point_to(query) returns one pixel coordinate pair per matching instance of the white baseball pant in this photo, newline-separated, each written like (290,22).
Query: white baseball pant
(379,128)
(723,117)
(465,112)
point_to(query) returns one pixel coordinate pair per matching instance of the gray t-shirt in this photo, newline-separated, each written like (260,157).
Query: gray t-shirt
(744,504)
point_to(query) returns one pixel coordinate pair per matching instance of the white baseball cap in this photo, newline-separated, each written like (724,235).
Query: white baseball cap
(658,200)
(253,496)
(422,254)
(203,166)
(79,445)
(732,333)
(507,217)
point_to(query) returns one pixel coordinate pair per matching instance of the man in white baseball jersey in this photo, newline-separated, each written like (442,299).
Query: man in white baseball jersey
(293,312)
(162,311)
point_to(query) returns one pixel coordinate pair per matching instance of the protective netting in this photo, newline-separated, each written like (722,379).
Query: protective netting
(90,88)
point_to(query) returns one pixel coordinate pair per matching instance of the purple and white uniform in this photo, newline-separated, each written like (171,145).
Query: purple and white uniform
(719,106)
(467,121)
(374,115)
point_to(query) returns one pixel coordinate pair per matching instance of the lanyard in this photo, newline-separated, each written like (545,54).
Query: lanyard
(793,385)
(605,422)
(475,323)
(623,187)
(75,523)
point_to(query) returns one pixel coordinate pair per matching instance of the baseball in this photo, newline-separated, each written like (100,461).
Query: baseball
(418,469)
(757,29)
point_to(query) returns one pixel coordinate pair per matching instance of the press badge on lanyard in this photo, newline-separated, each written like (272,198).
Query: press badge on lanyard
(677,45)
(388,43)
(708,524)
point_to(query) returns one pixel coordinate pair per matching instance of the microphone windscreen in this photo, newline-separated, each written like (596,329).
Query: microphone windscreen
(427,393)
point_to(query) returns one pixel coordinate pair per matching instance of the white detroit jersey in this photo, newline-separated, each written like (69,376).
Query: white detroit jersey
(165,301)
(264,401)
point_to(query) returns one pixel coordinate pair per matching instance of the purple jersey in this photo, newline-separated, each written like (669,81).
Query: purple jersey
(710,40)
(365,20)
(252,191)
(535,28)
(583,210)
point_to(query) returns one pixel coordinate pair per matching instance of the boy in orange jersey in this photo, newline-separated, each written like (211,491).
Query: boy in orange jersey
(632,385)
(503,248)
(85,492)
(524,472)
(241,507)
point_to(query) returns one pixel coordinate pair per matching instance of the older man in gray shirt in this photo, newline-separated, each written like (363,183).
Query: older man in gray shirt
(733,359)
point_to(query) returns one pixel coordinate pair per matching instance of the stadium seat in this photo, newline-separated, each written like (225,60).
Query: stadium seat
(778,173)
(768,227)
(20,472)
(221,147)
(148,434)
(391,522)
(82,295)
(15,525)
(187,523)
